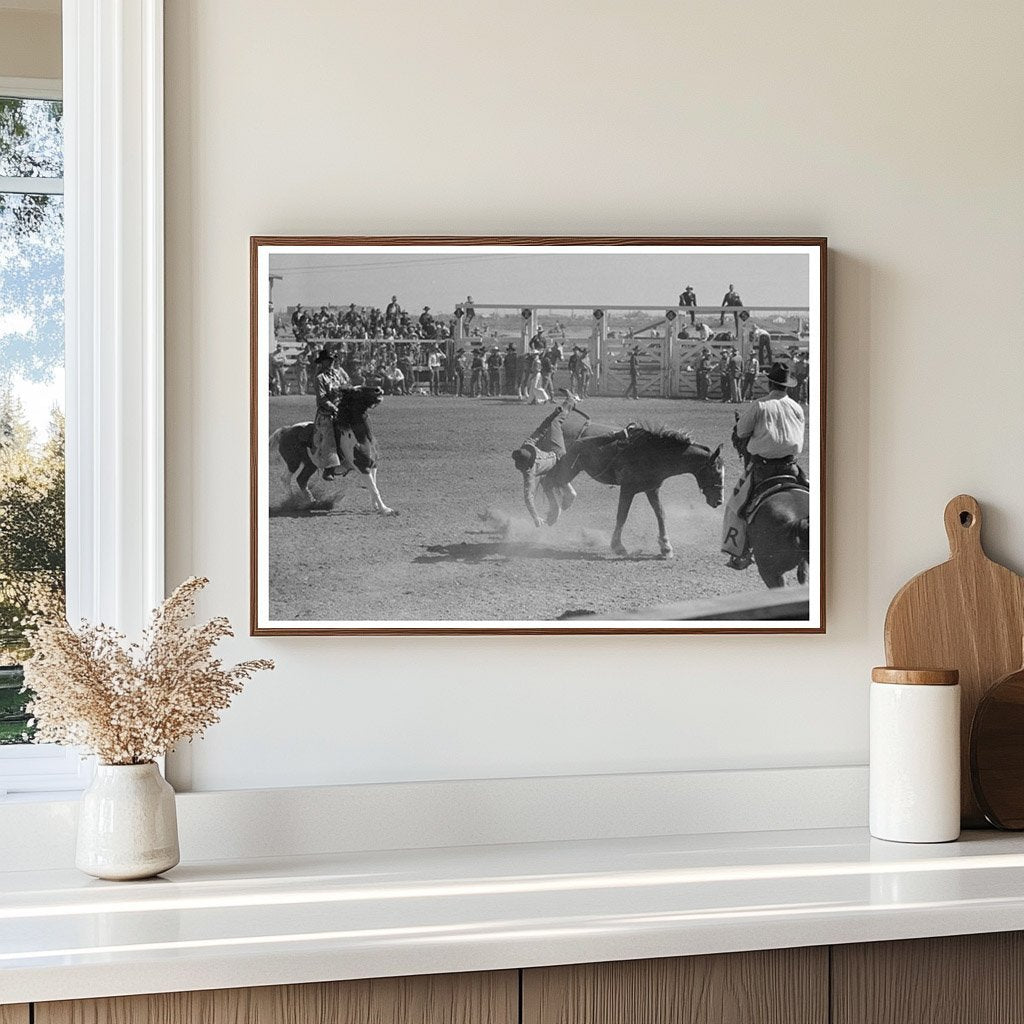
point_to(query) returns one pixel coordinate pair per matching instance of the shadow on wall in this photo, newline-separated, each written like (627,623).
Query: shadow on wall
(852,288)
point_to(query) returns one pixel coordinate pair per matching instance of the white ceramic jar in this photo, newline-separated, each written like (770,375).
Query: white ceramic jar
(915,755)
(127,823)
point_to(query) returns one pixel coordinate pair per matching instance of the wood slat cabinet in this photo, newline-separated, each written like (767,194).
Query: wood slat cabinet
(962,979)
(777,986)
(972,979)
(482,998)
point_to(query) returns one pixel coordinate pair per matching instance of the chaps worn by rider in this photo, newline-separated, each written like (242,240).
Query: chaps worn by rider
(772,429)
(329,385)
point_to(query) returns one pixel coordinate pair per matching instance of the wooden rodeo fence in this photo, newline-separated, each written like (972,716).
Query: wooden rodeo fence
(668,347)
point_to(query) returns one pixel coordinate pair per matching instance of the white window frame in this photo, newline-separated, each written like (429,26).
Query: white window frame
(114,322)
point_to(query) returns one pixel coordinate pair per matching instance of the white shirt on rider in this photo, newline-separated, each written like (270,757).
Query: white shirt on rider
(775,426)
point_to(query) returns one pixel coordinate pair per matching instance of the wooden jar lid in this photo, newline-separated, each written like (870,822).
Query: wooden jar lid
(916,676)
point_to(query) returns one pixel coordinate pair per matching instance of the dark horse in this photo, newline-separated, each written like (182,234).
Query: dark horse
(778,531)
(292,447)
(637,460)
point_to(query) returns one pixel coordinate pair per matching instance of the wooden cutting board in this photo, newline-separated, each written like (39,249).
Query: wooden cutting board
(967,614)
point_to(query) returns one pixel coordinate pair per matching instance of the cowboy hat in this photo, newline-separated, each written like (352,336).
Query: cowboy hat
(780,377)
(324,357)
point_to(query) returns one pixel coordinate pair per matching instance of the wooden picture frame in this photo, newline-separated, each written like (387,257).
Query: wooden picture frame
(331,567)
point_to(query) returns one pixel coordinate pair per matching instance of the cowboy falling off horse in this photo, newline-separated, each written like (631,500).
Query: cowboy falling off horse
(766,518)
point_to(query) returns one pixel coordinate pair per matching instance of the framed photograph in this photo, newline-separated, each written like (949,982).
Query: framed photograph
(537,435)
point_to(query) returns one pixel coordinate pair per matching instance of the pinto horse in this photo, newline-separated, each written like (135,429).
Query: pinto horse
(637,460)
(292,447)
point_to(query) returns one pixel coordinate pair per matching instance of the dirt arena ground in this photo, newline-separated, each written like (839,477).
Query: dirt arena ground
(463,545)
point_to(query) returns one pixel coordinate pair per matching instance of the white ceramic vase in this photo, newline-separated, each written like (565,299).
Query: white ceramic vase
(127,825)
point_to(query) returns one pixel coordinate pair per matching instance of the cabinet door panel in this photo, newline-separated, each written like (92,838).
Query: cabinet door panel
(960,979)
(14,1014)
(779,986)
(485,998)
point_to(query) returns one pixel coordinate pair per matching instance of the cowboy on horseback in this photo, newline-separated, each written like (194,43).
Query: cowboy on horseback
(770,433)
(329,383)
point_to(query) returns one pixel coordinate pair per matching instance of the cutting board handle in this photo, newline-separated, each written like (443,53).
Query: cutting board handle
(963,527)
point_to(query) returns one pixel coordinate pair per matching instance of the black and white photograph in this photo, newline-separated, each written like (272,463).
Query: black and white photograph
(537,435)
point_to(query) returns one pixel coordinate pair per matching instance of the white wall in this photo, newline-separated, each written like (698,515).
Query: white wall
(895,129)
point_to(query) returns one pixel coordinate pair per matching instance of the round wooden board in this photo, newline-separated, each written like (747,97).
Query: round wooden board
(997,752)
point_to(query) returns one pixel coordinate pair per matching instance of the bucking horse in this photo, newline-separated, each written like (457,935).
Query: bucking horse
(292,448)
(637,459)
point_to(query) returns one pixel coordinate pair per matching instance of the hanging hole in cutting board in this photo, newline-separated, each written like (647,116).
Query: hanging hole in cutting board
(966,519)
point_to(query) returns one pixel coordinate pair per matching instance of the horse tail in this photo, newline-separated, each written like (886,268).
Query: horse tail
(275,442)
(801,533)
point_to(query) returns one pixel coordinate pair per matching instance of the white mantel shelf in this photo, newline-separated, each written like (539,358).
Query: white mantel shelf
(228,924)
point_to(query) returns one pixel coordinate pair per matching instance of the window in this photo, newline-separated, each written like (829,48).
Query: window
(112,211)
(32,531)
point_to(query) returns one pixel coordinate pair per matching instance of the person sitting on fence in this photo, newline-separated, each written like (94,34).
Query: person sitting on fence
(688,298)
(731,298)
(539,342)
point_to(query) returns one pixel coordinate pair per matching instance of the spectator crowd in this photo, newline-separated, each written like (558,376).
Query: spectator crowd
(403,353)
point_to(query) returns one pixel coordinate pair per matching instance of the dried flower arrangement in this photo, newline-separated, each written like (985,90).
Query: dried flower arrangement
(130,703)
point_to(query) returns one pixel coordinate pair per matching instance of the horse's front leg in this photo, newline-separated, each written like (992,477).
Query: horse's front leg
(801,571)
(654,497)
(626,496)
(306,473)
(378,501)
